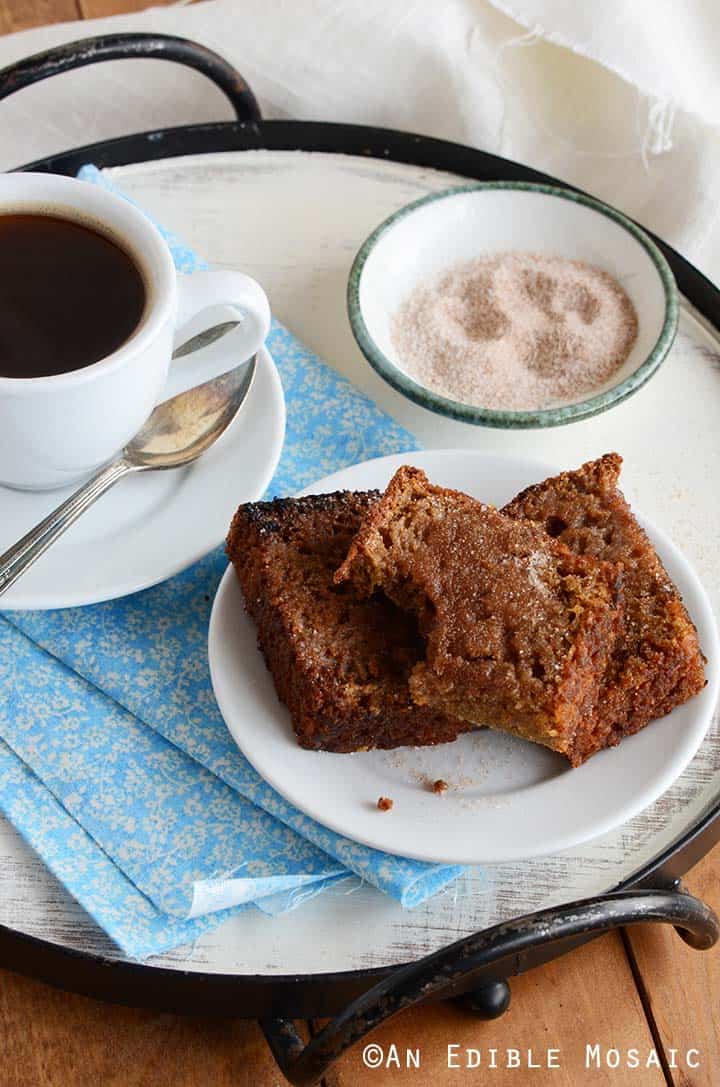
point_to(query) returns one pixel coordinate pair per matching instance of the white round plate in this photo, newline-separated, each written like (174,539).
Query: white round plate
(150,526)
(507,799)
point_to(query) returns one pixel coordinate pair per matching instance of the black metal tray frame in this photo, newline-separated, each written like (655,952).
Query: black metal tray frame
(476,967)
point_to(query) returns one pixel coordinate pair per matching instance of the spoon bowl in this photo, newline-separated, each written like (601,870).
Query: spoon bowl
(181,429)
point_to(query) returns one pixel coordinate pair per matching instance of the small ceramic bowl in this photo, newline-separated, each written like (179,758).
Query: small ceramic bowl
(431,235)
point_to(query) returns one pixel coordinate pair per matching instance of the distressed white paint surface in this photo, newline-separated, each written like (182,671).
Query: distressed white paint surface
(294,221)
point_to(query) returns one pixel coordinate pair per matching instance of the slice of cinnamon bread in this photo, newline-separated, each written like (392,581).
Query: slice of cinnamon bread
(519,628)
(339,663)
(656,663)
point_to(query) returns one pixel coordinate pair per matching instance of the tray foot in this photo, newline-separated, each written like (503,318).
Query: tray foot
(488,1001)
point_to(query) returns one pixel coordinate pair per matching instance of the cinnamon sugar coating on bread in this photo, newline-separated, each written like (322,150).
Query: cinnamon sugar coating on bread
(518,627)
(657,663)
(340,664)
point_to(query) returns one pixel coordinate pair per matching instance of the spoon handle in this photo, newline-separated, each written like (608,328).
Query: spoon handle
(23,554)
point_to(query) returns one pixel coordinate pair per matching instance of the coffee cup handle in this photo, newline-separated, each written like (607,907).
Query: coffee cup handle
(197,295)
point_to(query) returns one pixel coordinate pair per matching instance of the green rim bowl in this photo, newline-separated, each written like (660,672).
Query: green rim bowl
(430,235)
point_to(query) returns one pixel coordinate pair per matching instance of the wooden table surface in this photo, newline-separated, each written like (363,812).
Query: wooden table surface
(639,990)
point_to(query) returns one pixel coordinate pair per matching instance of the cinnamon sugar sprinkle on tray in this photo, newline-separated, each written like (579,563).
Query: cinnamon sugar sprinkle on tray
(516,331)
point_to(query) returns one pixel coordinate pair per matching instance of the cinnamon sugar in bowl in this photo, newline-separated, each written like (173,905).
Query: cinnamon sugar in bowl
(512,305)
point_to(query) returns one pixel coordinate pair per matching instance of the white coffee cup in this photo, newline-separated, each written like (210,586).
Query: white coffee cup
(56,430)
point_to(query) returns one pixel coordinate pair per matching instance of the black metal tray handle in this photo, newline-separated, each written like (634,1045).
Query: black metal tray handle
(485,960)
(78,54)
(476,967)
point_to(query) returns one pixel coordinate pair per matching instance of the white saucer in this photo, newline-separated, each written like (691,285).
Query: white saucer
(151,526)
(507,799)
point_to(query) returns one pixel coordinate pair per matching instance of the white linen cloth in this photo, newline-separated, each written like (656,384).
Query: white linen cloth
(621,98)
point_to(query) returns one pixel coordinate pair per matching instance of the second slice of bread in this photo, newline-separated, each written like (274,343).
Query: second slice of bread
(519,628)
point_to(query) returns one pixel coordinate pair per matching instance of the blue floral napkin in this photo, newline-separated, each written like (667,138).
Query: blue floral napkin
(108,715)
(127,916)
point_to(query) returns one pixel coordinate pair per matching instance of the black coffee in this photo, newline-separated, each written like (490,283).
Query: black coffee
(69,296)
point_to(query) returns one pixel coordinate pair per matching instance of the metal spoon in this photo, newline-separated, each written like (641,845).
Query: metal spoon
(177,433)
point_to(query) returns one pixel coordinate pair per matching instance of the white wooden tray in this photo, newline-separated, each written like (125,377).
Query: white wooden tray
(294,220)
